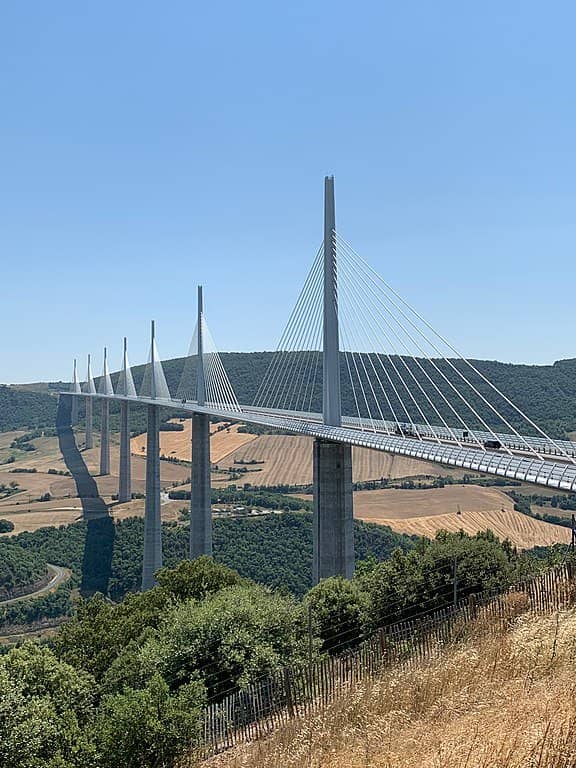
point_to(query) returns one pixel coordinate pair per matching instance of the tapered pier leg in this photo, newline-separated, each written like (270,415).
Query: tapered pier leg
(200,492)
(105,439)
(125,480)
(333,525)
(74,415)
(152,523)
(89,423)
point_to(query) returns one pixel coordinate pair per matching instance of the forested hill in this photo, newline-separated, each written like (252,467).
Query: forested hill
(547,393)
(21,409)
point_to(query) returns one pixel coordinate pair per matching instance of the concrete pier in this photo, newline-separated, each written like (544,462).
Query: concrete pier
(200,491)
(200,487)
(105,439)
(89,422)
(152,522)
(333,525)
(125,476)
(75,400)
(90,389)
(74,415)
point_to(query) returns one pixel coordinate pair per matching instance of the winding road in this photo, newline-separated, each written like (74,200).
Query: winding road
(59,576)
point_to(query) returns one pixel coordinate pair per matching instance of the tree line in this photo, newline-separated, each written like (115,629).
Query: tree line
(130,679)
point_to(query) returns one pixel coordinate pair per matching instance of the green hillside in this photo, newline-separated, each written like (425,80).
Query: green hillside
(20,409)
(18,567)
(547,393)
(274,550)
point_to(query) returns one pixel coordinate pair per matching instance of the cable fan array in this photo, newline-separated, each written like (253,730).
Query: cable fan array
(398,375)
(293,381)
(218,391)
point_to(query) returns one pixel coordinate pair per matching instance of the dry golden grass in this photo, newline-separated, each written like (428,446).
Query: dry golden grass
(177,444)
(390,503)
(502,701)
(425,512)
(288,460)
(523,531)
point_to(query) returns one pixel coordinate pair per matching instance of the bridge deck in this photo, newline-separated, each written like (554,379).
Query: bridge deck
(434,448)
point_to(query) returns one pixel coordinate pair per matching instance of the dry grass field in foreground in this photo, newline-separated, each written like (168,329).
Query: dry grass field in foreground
(503,701)
(177,444)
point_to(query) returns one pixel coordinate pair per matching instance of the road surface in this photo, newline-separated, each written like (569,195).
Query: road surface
(59,576)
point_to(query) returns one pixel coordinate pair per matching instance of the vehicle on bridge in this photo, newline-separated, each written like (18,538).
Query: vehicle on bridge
(403,430)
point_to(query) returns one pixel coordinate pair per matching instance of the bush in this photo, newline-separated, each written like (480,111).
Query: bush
(6,526)
(339,610)
(148,728)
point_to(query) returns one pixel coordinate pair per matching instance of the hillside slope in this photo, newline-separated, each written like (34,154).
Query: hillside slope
(547,393)
(505,701)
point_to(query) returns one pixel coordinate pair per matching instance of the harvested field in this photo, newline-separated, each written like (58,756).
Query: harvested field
(288,460)
(7,437)
(177,444)
(427,511)
(393,503)
(169,510)
(566,514)
(28,514)
(523,531)
(50,516)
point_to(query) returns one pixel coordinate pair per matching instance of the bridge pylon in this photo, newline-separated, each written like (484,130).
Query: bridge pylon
(333,527)
(152,522)
(200,487)
(125,474)
(89,418)
(76,389)
(105,389)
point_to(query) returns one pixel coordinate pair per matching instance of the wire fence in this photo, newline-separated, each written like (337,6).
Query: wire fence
(274,700)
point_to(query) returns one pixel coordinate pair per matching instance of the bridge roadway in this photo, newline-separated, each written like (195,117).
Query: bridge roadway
(559,473)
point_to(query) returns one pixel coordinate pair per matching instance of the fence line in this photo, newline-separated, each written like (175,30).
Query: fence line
(274,700)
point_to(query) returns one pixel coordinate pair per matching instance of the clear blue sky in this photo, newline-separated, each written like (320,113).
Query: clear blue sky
(146,147)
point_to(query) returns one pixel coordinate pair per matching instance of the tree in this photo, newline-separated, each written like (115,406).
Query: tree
(339,611)
(148,728)
(195,579)
(228,639)
(44,705)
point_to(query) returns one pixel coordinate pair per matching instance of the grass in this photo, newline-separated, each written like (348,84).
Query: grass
(502,700)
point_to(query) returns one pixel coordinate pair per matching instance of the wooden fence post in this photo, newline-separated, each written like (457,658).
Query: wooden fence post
(288,691)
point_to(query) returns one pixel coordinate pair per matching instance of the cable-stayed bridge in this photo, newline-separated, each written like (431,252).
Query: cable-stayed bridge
(350,338)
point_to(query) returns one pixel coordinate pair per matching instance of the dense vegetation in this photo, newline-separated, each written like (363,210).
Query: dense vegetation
(547,393)
(19,567)
(20,409)
(274,550)
(124,684)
